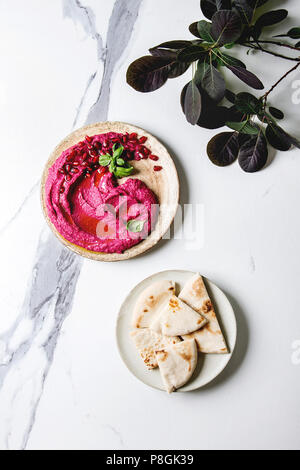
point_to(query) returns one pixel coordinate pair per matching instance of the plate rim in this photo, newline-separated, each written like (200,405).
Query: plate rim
(136,250)
(181,390)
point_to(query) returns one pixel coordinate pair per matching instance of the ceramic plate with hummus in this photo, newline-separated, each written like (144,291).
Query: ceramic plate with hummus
(110,191)
(176,331)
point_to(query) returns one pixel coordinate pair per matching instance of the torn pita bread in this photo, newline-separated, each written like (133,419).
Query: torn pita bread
(209,339)
(148,342)
(177,364)
(150,302)
(177,319)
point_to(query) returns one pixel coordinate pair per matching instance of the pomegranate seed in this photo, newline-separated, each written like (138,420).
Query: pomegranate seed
(75,163)
(133,136)
(125,139)
(146,151)
(61,171)
(88,138)
(143,139)
(154,158)
(68,167)
(62,190)
(74,170)
(68,177)
(85,163)
(69,158)
(157,168)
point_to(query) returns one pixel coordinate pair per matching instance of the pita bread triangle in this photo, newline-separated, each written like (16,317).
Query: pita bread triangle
(148,342)
(209,339)
(177,364)
(150,302)
(177,318)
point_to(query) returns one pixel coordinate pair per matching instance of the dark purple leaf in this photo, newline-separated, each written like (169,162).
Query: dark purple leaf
(276,113)
(226,27)
(248,104)
(148,73)
(277,140)
(247,77)
(214,84)
(173,45)
(212,116)
(178,68)
(209,7)
(253,154)
(245,10)
(223,149)
(271,17)
(230,96)
(194,29)
(229,60)
(192,53)
(192,103)
(283,135)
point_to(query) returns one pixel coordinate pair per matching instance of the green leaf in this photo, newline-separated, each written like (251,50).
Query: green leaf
(191,53)
(112,166)
(121,172)
(248,104)
(117,152)
(120,162)
(204,28)
(135,226)
(105,160)
(244,127)
(294,33)
(229,60)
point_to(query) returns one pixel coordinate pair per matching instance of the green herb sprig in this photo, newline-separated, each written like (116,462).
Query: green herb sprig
(117,165)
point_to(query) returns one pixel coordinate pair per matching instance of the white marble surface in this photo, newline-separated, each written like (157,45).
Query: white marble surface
(62,383)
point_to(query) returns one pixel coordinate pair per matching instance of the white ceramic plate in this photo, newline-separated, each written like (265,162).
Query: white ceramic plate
(209,365)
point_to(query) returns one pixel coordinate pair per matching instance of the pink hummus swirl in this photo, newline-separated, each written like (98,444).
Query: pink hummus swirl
(86,204)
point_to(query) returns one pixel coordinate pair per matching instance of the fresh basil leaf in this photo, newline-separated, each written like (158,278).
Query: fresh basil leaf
(117,152)
(192,103)
(120,161)
(253,154)
(121,172)
(247,77)
(223,149)
(244,127)
(226,27)
(148,73)
(105,160)
(135,226)
(214,84)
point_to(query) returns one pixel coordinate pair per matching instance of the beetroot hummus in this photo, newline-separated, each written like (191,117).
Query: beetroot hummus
(86,204)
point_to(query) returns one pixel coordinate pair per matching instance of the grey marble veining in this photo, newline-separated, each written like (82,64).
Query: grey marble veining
(56,270)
